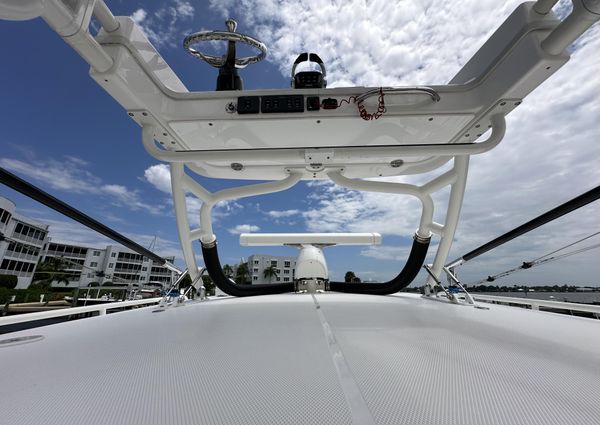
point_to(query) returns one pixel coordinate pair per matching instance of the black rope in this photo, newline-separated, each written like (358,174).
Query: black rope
(568,246)
(542,260)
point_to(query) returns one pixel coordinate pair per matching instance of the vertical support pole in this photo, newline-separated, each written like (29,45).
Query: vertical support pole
(183,227)
(457,193)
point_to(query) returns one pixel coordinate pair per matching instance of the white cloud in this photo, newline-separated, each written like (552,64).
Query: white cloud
(63,174)
(139,15)
(70,175)
(130,198)
(244,228)
(372,43)
(283,214)
(386,252)
(162,27)
(159,176)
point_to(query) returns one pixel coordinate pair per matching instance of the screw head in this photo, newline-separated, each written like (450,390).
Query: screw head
(236,166)
(396,163)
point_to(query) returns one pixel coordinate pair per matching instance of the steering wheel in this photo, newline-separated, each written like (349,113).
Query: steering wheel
(228,60)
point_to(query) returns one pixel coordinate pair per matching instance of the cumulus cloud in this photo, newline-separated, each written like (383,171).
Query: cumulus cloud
(159,176)
(163,26)
(244,228)
(371,43)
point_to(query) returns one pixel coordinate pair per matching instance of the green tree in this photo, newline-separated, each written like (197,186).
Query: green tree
(208,285)
(228,270)
(270,272)
(206,282)
(8,281)
(351,277)
(242,274)
(50,270)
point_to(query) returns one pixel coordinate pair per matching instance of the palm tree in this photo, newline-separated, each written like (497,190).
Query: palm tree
(228,270)
(242,274)
(50,270)
(269,272)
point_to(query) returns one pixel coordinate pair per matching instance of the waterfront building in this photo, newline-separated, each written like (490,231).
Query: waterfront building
(285,268)
(21,245)
(112,265)
(25,242)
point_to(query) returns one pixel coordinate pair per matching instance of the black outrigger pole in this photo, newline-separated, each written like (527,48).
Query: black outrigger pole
(540,220)
(45,198)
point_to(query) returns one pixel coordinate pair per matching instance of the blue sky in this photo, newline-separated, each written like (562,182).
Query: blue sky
(63,133)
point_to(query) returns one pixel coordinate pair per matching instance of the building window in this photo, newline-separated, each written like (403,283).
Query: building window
(96,253)
(286,279)
(110,266)
(256,262)
(274,263)
(286,272)
(93,264)
(287,264)
(4,216)
(143,278)
(255,270)
(254,277)
(144,269)
(113,254)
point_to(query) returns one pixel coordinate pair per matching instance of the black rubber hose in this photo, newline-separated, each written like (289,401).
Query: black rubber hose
(412,267)
(215,271)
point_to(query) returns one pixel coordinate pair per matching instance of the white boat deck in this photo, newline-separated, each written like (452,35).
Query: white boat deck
(295,359)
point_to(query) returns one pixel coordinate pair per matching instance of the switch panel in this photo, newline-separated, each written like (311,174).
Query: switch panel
(248,105)
(291,103)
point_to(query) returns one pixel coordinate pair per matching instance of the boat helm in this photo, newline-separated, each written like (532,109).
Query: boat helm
(227,64)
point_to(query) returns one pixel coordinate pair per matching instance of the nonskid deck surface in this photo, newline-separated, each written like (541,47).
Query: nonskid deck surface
(295,359)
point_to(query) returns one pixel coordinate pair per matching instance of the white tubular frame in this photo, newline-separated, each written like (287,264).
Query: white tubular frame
(498,123)
(456,178)
(182,183)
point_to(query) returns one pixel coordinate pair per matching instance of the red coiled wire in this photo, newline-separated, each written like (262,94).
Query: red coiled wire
(364,114)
